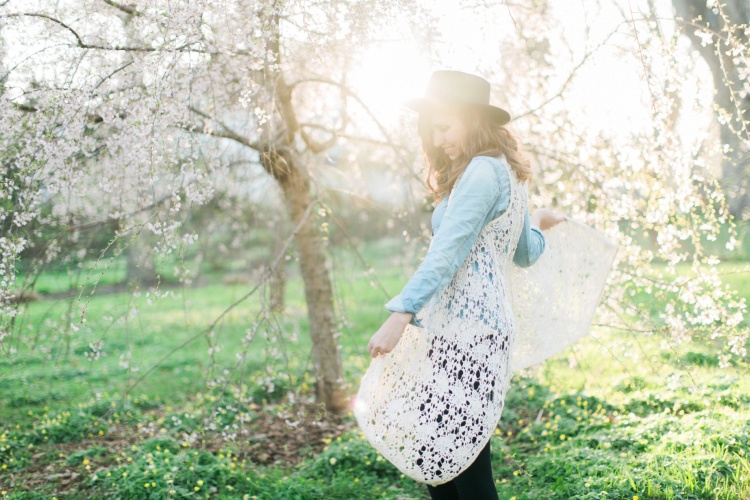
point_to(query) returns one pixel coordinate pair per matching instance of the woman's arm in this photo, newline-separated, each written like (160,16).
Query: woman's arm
(472,198)
(531,244)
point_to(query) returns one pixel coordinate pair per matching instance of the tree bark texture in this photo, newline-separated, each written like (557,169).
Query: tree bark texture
(728,84)
(330,387)
(280,158)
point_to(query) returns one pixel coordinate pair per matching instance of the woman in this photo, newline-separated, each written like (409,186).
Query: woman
(441,396)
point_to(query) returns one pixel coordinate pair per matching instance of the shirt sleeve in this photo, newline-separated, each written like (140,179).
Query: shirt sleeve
(531,244)
(473,197)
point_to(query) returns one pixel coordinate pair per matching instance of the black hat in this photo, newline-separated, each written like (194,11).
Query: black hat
(448,86)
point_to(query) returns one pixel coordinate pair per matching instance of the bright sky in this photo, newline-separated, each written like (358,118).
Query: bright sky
(609,91)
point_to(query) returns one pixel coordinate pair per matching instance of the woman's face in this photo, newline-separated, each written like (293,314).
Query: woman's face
(449,132)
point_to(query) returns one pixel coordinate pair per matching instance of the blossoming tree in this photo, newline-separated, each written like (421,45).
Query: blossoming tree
(125,111)
(127,114)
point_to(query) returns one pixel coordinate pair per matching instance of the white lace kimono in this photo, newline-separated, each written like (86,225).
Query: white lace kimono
(432,403)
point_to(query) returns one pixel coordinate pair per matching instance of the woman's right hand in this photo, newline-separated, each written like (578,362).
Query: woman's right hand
(385,339)
(545,219)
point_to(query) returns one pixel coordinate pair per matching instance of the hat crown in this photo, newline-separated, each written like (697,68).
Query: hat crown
(450,85)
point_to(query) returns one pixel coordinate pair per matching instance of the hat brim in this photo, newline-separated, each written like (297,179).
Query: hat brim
(425,104)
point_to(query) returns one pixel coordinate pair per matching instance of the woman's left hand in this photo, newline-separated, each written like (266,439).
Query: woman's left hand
(545,218)
(388,335)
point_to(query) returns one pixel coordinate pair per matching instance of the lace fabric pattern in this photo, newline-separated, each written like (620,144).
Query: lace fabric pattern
(555,299)
(432,403)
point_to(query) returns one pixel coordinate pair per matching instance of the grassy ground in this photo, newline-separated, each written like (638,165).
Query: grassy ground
(616,416)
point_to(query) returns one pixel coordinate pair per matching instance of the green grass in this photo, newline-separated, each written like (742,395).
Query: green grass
(618,415)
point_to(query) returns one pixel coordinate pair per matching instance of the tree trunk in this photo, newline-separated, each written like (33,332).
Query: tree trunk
(330,387)
(278,278)
(735,176)
(281,160)
(140,269)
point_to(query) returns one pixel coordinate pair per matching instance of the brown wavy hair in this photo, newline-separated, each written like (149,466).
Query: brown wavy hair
(485,137)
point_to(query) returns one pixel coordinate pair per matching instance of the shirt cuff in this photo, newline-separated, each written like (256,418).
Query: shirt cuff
(396,304)
(542,241)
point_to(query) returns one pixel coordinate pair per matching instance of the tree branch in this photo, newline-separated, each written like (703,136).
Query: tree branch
(126,9)
(346,90)
(227,133)
(201,129)
(83,45)
(49,18)
(572,73)
(267,274)
(25,107)
(317,147)
(271,154)
(111,74)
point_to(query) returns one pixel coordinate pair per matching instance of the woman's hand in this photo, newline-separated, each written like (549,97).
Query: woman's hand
(545,219)
(388,335)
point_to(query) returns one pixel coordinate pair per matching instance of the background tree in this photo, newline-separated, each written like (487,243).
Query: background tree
(147,105)
(144,112)
(717,30)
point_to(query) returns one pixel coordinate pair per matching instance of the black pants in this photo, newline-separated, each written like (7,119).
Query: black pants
(475,483)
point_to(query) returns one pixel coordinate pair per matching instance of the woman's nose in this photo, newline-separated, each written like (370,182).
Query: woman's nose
(437,140)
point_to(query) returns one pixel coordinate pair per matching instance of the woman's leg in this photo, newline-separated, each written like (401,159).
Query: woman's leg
(445,491)
(475,483)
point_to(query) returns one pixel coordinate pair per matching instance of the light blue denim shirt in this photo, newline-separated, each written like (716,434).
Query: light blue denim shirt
(481,194)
